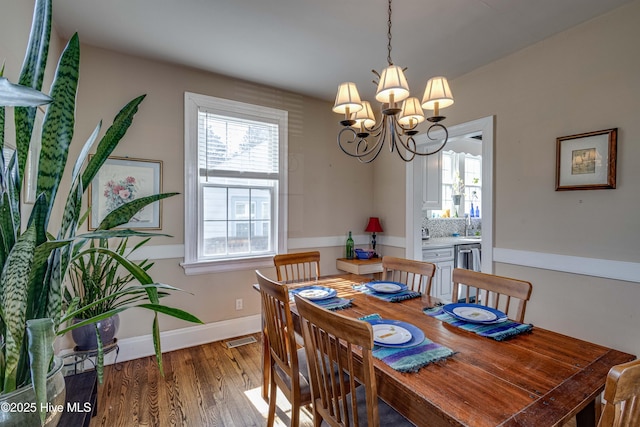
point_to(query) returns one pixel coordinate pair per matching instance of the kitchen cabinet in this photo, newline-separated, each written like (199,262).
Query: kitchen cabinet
(441,285)
(432,181)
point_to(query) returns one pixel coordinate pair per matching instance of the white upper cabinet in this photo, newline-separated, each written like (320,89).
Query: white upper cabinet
(432,181)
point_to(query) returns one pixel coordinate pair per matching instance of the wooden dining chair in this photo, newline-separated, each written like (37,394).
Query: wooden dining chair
(417,275)
(287,365)
(297,267)
(622,396)
(492,291)
(330,342)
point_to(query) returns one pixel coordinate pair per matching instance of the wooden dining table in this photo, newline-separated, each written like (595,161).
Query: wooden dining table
(537,379)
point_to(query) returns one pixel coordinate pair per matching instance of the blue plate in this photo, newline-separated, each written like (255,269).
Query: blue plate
(315,293)
(417,336)
(475,313)
(386,287)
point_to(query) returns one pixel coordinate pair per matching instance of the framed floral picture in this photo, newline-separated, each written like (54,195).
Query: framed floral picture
(120,180)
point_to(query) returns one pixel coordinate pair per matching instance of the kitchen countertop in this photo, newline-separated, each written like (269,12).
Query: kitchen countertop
(442,242)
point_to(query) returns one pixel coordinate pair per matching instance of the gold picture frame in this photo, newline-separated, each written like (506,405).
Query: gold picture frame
(587,161)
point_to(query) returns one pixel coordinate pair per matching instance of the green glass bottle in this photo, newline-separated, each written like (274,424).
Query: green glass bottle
(349,247)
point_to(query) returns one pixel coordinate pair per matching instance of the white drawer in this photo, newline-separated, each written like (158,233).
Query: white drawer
(436,255)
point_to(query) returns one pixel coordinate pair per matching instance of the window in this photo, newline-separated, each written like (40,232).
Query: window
(466,168)
(235,204)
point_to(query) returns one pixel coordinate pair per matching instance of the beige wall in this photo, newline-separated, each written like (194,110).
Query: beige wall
(328,192)
(581,80)
(584,79)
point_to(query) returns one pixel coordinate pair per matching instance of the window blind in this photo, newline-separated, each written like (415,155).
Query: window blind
(236,147)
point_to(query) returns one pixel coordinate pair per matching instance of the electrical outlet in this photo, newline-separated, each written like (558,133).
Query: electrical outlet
(239,304)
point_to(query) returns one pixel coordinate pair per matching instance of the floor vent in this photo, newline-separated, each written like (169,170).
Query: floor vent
(241,341)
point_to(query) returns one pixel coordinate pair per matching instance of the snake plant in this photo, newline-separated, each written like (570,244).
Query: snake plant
(34,261)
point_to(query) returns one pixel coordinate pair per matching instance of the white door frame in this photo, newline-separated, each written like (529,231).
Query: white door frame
(414,184)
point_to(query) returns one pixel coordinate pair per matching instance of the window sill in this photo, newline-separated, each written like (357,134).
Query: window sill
(205,267)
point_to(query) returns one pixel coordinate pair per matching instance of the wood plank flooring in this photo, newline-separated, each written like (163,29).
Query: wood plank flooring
(204,386)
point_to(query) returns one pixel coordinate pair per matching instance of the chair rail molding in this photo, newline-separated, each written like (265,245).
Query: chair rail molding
(605,268)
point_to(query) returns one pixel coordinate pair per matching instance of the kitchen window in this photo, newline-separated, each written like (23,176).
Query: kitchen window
(235,178)
(468,169)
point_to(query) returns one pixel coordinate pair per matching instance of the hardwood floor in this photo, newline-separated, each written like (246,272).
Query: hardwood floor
(204,386)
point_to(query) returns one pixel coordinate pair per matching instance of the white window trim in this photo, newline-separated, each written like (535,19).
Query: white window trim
(191,264)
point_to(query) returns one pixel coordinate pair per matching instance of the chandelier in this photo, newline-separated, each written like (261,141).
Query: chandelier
(363,138)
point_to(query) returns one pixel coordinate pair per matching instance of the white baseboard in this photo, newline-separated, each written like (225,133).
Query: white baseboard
(142,346)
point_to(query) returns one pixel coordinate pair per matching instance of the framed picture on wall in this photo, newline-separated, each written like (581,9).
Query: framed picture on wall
(121,180)
(586,161)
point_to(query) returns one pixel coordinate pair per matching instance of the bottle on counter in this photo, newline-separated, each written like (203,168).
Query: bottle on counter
(349,247)
(477,215)
(472,212)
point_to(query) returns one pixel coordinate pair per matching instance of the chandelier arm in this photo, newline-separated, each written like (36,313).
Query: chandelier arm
(399,142)
(378,148)
(357,143)
(444,140)
(410,142)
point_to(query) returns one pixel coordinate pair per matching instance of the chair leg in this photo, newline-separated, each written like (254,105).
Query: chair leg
(316,419)
(266,366)
(273,389)
(295,414)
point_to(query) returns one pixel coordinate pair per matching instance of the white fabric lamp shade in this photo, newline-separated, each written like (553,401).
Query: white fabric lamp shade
(437,90)
(347,98)
(365,116)
(412,113)
(392,83)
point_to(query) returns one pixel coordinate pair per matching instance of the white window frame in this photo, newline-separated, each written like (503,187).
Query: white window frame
(192,263)
(457,165)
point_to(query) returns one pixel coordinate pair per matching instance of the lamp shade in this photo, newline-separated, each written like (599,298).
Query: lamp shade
(347,98)
(365,116)
(437,90)
(412,113)
(392,82)
(374,225)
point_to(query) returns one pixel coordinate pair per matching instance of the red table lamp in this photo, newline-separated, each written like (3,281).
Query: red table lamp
(374,227)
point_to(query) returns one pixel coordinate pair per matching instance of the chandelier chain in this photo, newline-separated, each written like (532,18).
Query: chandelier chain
(363,137)
(389,36)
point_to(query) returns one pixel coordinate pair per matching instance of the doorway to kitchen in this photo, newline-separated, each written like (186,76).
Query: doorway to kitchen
(416,186)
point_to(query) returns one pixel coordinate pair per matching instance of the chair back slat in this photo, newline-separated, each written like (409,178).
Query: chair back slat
(282,362)
(297,267)
(417,275)
(491,290)
(333,340)
(622,396)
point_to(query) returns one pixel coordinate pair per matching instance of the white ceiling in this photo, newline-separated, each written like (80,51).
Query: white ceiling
(310,46)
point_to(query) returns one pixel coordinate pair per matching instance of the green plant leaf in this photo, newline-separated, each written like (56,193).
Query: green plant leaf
(120,232)
(132,294)
(94,319)
(31,75)
(124,213)
(41,337)
(58,125)
(111,139)
(13,300)
(14,95)
(171,311)
(156,343)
